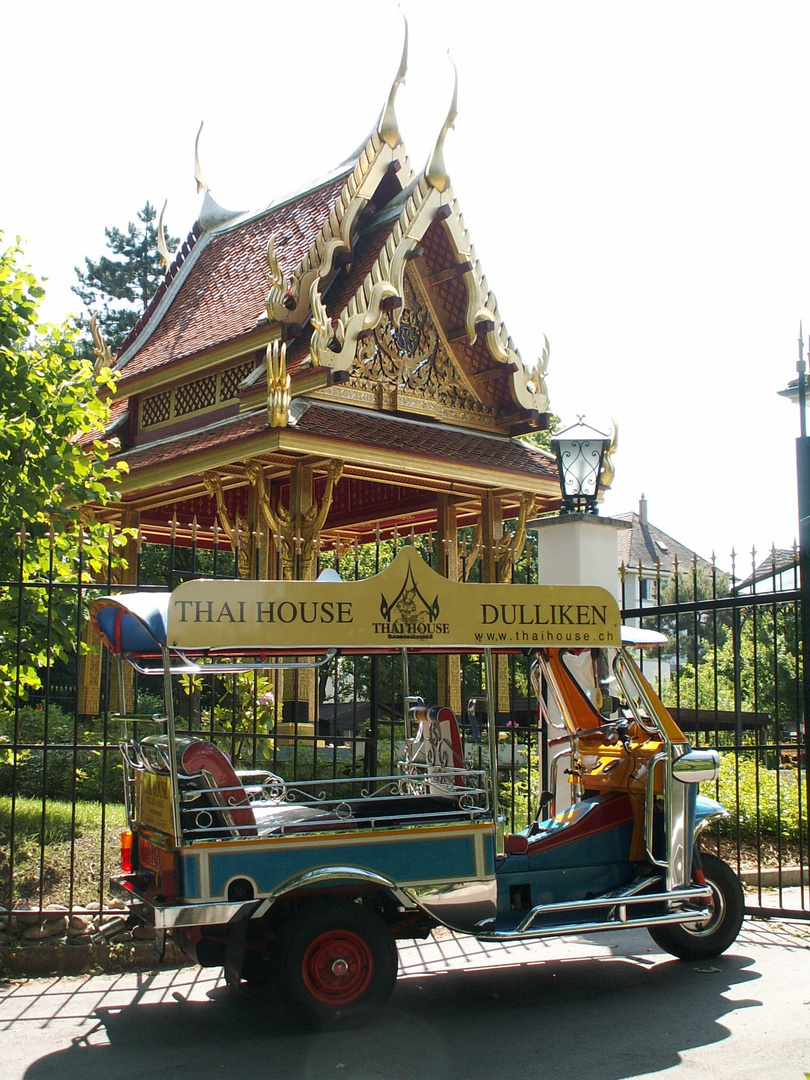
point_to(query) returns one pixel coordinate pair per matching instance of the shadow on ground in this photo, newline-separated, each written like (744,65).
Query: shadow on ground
(606,1019)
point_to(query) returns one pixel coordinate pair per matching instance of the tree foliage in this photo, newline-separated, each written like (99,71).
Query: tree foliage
(49,405)
(703,627)
(753,667)
(118,287)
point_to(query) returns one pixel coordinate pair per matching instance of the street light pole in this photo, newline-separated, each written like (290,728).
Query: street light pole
(803,482)
(802,443)
(797,391)
(801,368)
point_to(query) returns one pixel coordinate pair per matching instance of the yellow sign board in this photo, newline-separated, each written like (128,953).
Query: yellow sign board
(407,605)
(153,801)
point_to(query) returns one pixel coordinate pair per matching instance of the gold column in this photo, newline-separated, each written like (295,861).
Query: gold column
(448,565)
(296,532)
(301,686)
(491,536)
(90,661)
(491,530)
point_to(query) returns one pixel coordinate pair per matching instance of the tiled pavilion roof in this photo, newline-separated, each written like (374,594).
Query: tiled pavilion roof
(407,409)
(222,282)
(248,435)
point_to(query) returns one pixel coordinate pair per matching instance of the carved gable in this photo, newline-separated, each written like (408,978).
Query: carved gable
(406,365)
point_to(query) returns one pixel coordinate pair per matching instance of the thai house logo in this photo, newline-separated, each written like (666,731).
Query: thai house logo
(409,615)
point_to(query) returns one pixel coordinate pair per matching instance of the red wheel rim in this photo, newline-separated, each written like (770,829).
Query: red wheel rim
(338,967)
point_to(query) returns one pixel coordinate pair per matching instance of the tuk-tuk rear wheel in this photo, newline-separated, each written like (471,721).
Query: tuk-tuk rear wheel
(336,958)
(712,936)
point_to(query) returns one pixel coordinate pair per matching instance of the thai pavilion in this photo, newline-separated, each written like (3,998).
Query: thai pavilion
(331,370)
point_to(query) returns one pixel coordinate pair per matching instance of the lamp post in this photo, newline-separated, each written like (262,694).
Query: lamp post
(580,451)
(796,390)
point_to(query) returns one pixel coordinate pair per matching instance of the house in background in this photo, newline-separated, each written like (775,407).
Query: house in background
(775,573)
(647,557)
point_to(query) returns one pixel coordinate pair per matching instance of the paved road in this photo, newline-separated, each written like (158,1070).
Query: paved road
(603,1008)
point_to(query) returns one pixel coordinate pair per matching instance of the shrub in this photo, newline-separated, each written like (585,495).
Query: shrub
(48,754)
(765,804)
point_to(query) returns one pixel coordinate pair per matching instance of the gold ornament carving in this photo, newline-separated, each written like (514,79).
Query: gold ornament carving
(297,534)
(278,385)
(163,250)
(328,335)
(469,554)
(408,357)
(283,295)
(198,176)
(608,468)
(535,376)
(388,128)
(102,351)
(239,534)
(436,171)
(509,547)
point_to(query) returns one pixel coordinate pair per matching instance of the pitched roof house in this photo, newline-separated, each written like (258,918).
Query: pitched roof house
(647,556)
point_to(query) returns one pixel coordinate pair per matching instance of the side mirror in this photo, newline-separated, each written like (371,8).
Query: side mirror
(695,766)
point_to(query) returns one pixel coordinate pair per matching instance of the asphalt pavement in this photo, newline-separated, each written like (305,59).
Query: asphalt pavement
(605,1008)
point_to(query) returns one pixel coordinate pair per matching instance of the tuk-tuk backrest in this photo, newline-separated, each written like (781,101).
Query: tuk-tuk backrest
(437,745)
(195,756)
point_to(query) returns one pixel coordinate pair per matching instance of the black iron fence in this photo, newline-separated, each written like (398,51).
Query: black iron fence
(730,673)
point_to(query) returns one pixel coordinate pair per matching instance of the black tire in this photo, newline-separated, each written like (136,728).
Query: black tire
(703,940)
(336,959)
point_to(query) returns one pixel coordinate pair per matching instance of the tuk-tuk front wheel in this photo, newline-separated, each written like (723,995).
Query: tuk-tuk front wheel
(336,958)
(712,936)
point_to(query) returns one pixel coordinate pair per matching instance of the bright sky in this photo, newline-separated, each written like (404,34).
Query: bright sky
(635,177)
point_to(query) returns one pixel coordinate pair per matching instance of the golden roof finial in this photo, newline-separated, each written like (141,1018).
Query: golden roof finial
(326,332)
(389,128)
(436,173)
(278,384)
(608,468)
(101,350)
(162,247)
(198,176)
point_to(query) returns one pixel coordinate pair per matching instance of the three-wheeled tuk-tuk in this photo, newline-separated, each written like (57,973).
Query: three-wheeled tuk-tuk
(311,882)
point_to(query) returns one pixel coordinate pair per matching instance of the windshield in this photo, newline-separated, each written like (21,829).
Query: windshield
(606,679)
(591,670)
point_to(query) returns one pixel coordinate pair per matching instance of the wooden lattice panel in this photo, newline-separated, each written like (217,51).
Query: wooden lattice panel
(231,379)
(194,396)
(156,409)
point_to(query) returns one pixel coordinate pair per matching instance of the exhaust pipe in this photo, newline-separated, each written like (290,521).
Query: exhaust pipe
(108,930)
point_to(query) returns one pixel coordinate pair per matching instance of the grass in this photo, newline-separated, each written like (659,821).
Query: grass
(57,855)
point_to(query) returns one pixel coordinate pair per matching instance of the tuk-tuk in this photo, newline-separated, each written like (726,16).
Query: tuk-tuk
(311,882)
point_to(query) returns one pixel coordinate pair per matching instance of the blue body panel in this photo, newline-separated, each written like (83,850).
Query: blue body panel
(705,807)
(581,852)
(406,857)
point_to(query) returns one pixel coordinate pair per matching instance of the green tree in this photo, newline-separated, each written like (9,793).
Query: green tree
(51,470)
(753,668)
(702,628)
(118,287)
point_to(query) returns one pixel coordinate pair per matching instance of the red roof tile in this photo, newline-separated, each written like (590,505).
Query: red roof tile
(226,289)
(428,440)
(358,428)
